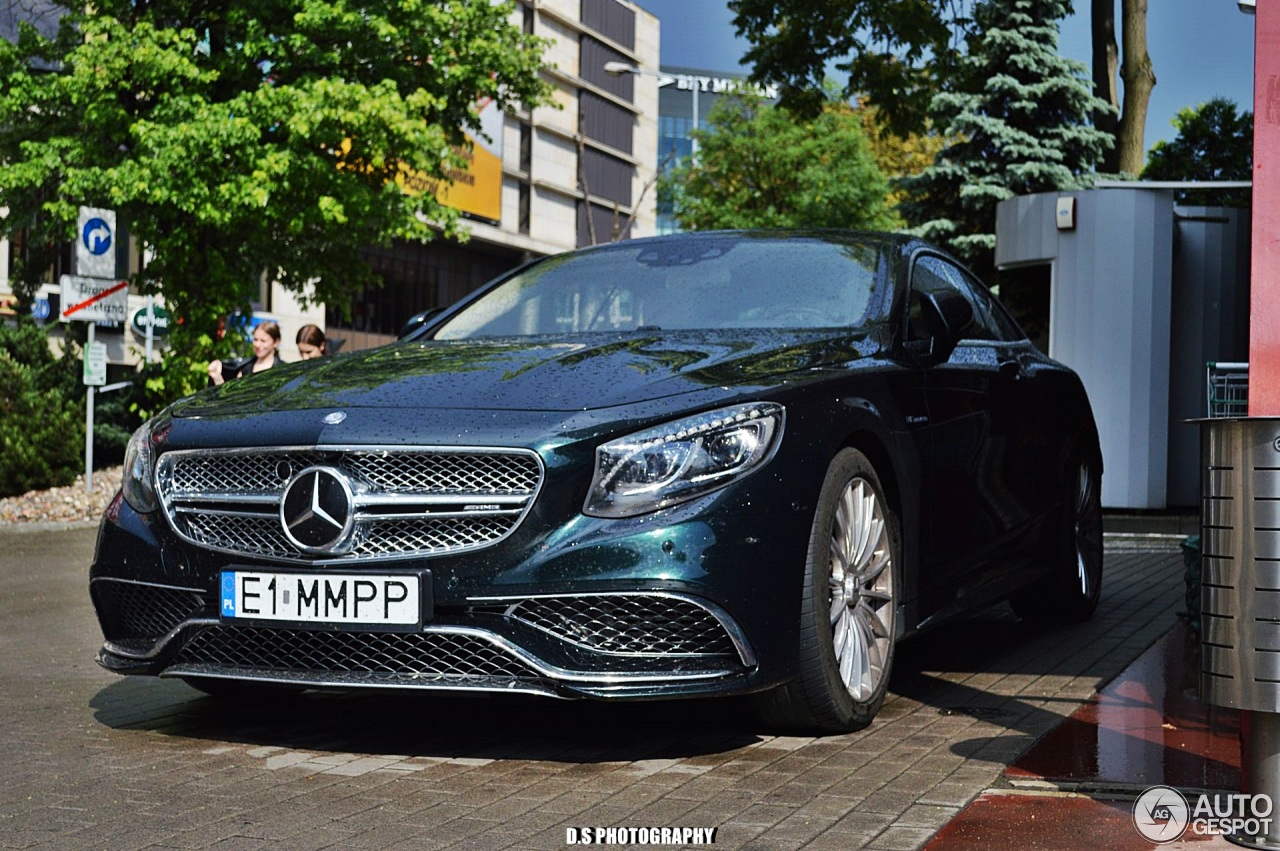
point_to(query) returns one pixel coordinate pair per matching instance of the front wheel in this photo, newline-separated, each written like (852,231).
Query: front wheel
(848,612)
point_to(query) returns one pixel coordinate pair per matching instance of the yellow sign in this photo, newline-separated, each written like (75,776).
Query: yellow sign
(477,189)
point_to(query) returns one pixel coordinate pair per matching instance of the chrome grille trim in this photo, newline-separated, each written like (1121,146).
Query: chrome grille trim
(501,685)
(409,501)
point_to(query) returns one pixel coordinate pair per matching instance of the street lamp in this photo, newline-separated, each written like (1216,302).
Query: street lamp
(617,69)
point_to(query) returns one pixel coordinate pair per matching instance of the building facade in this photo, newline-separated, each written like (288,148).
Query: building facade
(577,172)
(686,96)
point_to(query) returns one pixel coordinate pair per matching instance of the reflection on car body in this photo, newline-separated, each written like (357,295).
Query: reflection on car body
(705,464)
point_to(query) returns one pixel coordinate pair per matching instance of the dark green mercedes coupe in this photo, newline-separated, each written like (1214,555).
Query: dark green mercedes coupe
(706,464)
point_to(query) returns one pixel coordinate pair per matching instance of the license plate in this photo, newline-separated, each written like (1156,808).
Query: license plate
(379,601)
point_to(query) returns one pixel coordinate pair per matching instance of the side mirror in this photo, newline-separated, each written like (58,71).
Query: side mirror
(417,322)
(946,315)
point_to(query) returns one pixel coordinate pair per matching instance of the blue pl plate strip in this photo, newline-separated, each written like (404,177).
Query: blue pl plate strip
(229,594)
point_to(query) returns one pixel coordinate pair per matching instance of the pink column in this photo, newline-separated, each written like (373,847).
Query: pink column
(1264,316)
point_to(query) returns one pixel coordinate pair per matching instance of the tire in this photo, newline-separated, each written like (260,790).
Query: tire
(1071,590)
(848,607)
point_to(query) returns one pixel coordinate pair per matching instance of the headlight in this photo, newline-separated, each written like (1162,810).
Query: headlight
(139,468)
(684,459)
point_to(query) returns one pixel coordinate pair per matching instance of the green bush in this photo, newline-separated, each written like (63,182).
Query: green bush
(41,412)
(114,420)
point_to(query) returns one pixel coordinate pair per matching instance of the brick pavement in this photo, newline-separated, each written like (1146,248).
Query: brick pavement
(97,761)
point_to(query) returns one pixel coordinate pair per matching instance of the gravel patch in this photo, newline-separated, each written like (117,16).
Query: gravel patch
(70,504)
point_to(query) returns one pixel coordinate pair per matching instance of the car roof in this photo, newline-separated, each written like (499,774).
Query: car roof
(886,239)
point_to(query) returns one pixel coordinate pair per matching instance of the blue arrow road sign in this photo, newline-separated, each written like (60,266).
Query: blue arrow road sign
(96,236)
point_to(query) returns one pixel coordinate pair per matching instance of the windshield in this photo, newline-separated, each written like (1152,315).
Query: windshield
(691,282)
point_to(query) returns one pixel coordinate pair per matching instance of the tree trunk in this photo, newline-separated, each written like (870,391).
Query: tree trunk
(1139,80)
(1106,62)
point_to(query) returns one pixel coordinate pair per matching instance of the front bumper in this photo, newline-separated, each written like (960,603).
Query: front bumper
(623,644)
(699,599)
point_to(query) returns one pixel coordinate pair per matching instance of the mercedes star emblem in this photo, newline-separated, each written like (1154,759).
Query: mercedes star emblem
(334,418)
(317,511)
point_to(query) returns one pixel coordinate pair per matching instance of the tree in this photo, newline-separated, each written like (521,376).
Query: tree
(899,53)
(1018,122)
(1127,121)
(41,414)
(243,140)
(1214,142)
(898,157)
(894,52)
(759,165)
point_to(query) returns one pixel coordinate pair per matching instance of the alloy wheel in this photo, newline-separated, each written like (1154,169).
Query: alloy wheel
(861,590)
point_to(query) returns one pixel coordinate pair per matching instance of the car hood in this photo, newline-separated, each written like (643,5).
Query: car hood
(542,374)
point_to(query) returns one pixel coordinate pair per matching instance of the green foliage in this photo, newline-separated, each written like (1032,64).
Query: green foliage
(894,52)
(898,157)
(41,412)
(1214,142)
(239,140)
(156,385)
(759,165)
(1017,120)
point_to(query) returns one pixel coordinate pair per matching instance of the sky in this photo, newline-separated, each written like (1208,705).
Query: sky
(1199,49)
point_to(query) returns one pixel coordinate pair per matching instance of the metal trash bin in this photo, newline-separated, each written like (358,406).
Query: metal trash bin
(1240,589)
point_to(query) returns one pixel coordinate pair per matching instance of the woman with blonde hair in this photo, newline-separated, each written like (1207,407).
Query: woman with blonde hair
(266,353)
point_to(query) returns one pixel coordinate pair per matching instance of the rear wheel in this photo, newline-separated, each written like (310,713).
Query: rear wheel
(848,614)
(1073,587)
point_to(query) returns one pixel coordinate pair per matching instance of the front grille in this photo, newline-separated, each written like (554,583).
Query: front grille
(193,473)
(134,611)
(240,533)
(407,657)
(407,472)
(406,502)
(629,624)
(425,534)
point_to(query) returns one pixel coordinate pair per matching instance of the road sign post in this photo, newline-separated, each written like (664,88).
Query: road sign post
(88,414)
(93,300)
(94,295)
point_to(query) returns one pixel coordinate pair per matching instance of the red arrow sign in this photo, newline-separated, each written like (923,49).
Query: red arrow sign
(97,298)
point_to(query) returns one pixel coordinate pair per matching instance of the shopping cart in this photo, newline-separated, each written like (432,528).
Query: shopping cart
(1228,388)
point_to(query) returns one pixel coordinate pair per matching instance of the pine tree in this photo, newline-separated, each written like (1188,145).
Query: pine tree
(1018,120)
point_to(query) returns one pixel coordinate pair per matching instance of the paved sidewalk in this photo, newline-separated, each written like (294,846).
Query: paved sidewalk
(1078,785)
(97,761)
